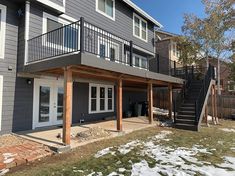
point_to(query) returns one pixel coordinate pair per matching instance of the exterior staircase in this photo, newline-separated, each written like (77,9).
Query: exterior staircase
(190,111)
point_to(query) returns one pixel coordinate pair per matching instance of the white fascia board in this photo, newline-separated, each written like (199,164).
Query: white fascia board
(142,12)
(53,5)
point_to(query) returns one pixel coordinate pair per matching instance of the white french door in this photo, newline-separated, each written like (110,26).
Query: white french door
(48,103)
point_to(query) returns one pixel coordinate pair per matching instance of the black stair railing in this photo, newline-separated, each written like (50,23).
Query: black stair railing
(203,92)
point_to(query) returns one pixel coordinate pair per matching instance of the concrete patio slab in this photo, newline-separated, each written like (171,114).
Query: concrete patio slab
(48,136)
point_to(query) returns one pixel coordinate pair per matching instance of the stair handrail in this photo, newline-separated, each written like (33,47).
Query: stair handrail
(203,91)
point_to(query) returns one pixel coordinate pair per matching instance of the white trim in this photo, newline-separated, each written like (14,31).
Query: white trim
(142,12)
(108,45)
(1,97)
(98,86)
(54,5)
(3,16)
(103,13)
(64,20)
(54,84)
(26,33)
(140,61)
(141,27)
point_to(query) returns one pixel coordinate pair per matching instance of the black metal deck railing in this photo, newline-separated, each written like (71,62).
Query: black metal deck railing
(55,43)
(82,36)
(210,74)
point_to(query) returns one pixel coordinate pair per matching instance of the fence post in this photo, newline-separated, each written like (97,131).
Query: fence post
(82,35)
(131,53)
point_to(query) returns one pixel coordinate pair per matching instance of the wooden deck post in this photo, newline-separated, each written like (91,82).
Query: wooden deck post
(170,100)
(215,104)
(119,105)
(206,114)
(212,104)
(68,85)
(150,102)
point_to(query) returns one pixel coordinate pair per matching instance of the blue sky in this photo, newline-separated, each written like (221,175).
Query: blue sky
(170,12)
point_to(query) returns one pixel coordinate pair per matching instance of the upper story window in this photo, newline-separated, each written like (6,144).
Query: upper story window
(140,61)
(57,36)
(140,28)
(3,11)
(231,86)
(106,8)
(176,52)
(108,50)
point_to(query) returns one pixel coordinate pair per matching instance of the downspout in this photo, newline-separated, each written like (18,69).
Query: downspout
(26,32)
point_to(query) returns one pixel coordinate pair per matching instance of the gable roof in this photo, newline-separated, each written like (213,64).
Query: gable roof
(142,12)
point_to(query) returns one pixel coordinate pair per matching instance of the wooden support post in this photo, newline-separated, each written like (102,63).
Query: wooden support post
(150,102)
(119,105)
(215,104)
(68,85)
(170,100)
(206,115)
(212,104)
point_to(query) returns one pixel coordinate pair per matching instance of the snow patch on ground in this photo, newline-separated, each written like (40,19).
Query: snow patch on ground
(170,161)
(3,171)
(124,149)
(228,129)
(104,152)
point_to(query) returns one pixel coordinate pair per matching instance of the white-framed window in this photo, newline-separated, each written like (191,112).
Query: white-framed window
(231,86)
(108,50)
(140,61)
(106,8)
(3,13)
(140,28)
(175,50)
(1,94)
(101,98)
(66,38)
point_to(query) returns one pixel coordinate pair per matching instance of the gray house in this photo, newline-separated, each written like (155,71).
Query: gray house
(81,60)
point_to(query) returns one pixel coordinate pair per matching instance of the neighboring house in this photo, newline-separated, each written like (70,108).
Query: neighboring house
(166,48)
(101,47)
(227,86)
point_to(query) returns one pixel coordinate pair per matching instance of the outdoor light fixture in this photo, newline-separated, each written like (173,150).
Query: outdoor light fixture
(29,82)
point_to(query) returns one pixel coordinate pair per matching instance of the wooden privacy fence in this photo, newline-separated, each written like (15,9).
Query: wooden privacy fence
(226,106)
(160,97)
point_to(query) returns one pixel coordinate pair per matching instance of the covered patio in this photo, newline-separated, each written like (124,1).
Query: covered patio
(122,79)
(49,136)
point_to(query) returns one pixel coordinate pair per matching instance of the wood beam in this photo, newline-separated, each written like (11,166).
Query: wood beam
(68,86)
(150,102)
(119,105)
(170,100)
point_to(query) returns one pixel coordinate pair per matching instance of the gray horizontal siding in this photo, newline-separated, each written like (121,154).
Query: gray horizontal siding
(122,26)
(23,105)
(80,105)
(10,60)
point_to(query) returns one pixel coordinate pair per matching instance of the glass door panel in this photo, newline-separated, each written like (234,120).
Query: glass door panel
(44,104)
(60,97)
